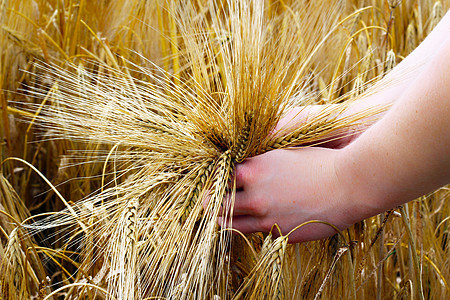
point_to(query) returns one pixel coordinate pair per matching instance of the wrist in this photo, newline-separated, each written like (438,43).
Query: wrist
(360,196)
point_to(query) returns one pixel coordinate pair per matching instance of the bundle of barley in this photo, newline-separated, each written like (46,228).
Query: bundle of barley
(139,111)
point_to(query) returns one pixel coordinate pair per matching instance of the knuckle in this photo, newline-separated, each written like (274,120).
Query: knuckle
(242,173)
(257,207)
(265,224)
(247,172)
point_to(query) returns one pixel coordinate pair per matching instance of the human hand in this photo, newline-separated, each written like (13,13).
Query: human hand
(399,158)
(290,187)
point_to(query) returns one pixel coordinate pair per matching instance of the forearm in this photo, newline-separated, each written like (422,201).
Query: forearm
(406,153)
(390,88)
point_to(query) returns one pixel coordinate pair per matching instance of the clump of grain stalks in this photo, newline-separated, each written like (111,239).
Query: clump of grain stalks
(140,112)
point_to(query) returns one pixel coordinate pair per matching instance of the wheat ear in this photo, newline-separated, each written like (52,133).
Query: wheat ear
(197,187)
(14,286)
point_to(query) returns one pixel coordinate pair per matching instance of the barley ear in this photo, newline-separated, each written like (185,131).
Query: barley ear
(390,61)
(194,192)
(436,15)
(394,3)
(14,286)
(411,37)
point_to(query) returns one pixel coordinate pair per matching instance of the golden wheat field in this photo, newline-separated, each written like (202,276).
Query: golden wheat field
(119,117)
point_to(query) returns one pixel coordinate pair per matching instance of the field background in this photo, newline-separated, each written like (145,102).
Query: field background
(402,254)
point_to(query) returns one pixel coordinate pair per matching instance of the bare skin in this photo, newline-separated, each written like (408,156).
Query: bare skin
(404,155)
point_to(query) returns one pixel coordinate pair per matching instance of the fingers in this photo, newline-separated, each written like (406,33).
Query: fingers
(225,206)
(244,224)
(238,202)
(246,173)
(244,203)
(239,176)
(239,207)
